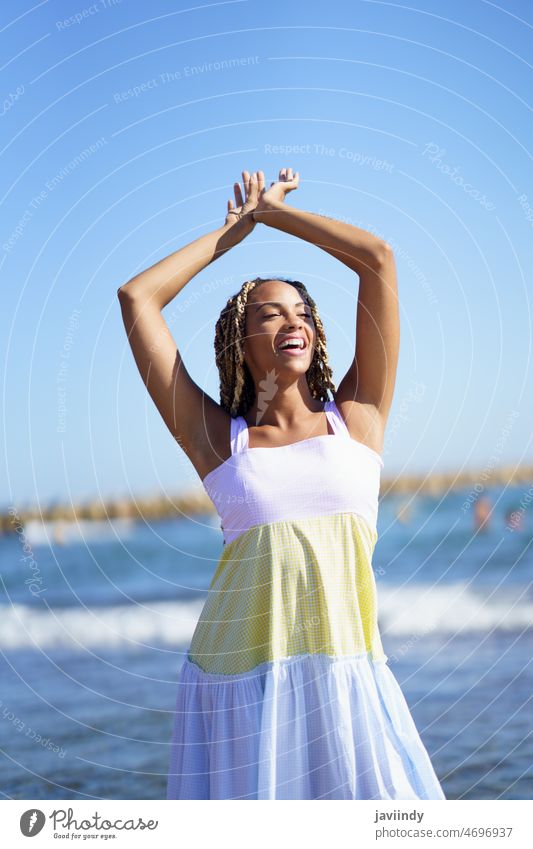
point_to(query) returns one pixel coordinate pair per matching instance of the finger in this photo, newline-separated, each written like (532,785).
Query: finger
(246,181)
(289,174)
(253,184)
(282,173)
(230,204)
(260,181)
(238,194)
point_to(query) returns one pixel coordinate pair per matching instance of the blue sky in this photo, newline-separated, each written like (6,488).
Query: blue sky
(124,127)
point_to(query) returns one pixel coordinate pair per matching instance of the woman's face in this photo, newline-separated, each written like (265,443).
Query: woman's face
(268,324)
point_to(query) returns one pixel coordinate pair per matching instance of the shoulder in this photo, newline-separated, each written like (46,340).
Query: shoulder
(363,421)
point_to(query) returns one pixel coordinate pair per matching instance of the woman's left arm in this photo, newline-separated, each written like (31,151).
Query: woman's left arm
(371,377)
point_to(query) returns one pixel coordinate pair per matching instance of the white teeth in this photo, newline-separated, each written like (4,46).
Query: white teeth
(298,342)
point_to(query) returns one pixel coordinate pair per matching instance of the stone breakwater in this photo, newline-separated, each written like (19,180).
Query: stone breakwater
(185,504)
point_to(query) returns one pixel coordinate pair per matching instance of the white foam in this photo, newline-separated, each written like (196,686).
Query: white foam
(452,608)
(414,609)
(127,626)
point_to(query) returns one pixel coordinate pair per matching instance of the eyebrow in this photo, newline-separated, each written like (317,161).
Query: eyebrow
(280,304)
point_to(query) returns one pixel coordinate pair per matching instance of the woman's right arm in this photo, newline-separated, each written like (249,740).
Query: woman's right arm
(198,423)
(160,283)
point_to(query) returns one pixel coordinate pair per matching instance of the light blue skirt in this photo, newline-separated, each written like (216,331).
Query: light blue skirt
(307,727)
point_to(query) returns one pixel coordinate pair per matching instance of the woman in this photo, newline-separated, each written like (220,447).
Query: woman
(285,692)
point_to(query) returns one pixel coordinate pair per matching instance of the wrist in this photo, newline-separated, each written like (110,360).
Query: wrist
(240,228)
(267,209)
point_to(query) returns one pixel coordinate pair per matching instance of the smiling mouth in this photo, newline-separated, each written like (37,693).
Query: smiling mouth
(292,352)
(294,348)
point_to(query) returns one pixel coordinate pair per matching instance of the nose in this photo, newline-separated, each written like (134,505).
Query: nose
(294,321)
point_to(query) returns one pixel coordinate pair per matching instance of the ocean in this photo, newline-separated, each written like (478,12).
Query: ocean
(95,619)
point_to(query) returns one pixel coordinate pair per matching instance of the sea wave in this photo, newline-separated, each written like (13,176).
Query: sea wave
(127,626)
(411,610)
(453,608)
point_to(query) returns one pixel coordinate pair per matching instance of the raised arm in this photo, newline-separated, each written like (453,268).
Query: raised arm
(368,385)
(194,419)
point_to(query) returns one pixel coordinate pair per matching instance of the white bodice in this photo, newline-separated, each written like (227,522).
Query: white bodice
(318,476)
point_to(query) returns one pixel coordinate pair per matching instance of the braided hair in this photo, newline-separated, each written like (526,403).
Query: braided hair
(237,389)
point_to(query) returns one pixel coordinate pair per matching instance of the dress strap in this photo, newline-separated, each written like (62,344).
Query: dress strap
(337,421)
(239,434)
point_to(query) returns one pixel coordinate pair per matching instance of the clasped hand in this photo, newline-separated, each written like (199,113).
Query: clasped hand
(259,201)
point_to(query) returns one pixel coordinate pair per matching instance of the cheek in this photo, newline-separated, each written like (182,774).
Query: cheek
(258,343)
(264,336)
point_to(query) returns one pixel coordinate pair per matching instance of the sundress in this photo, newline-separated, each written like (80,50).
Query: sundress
(285,691)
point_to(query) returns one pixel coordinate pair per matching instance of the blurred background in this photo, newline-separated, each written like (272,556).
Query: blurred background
(124,128)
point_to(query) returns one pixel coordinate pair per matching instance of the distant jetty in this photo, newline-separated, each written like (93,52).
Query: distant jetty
(185,504)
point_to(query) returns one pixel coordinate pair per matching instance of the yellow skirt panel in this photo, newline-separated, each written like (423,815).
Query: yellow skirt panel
(289,588)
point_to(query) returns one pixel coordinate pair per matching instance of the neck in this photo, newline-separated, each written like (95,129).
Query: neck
(287,409)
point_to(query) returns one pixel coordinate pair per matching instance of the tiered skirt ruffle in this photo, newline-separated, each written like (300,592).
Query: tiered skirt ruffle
(307,727)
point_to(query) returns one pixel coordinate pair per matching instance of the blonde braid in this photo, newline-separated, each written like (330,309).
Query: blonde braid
(237,389)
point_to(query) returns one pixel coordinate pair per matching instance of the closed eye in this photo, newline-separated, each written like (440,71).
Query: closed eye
(274,314)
